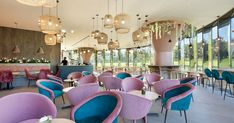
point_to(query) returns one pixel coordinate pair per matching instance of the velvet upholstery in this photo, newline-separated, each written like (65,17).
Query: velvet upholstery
(162,85)
(43,73)
(208,72)
(141,77)
(178,97)
(85,73)
(50,88)
(216,75)
(123,75)
(191,80)
(102,75)
(55,78)
(111,82)
(134,107)
(151,78)
(229,78)
(77,94)
(102,107)
(6,76)
(131,83)
(75,75)
(22,107)
(29,76)
(88,79)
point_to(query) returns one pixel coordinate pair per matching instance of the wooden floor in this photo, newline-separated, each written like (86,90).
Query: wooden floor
(207,108)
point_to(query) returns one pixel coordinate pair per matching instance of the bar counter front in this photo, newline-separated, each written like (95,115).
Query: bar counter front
(65,70)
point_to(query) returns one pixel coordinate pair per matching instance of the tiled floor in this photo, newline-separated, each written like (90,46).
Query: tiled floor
(207,108)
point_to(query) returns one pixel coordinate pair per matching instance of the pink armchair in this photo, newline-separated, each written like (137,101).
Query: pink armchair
(110,82)
(162,85)
(29,76)
(151,78)
(132,83)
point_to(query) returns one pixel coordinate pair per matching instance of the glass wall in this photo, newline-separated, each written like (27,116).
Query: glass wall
(213,47)
(224,33)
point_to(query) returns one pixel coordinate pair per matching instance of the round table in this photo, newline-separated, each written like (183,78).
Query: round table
(61,120)
(70,81)
(148,94)
(65,90)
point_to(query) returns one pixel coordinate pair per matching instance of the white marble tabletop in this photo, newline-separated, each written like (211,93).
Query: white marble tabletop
(148,94)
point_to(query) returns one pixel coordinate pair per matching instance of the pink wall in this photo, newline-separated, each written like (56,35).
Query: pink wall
(163,54)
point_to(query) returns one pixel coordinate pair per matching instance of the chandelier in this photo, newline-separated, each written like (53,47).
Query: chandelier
(16,49)
(108,19)
(93,32)
(86,53)
(60,36)
(122,22)
(45,3)
(40,51)
(112,45)
(97,32)
(50,39)
(50,24)
(137,36)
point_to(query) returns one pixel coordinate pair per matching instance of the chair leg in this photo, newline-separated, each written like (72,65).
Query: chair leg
(165,119)
(192,98)
(162,110)
(145,119)
(29,82)
(134,121)
(63,100)
(185,116)
(0,86)
(225,92)
(213,85)
(230,89)
(221,87)
(180,113)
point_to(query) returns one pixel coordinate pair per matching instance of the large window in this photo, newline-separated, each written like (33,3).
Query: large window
(107,59)
(224,33)
(186,53)
(100,60)
(232,42)
(123,59)
(115,58)
(199,51)
(206,39)
(181,54)
(215,47)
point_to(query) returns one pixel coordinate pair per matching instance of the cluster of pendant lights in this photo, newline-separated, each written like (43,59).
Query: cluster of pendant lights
(143,32)
(121,24)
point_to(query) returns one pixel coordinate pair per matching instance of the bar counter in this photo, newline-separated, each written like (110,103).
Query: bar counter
(164,70)
(65,70)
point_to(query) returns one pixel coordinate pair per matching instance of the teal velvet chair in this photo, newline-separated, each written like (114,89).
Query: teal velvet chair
(50,89)
(229,78)
(209,75)
(177,98)
(102,107)
(217,77)
(85,73)
(191,80)
(123,75)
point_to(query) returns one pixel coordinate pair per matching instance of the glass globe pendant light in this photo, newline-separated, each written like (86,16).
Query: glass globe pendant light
(138,36)
(93,32)
(108,19)
(122,22)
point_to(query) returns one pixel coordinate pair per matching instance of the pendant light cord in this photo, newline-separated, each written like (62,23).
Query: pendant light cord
(116,8)
(93,23)
(108,7)
(122,6)
(97,21)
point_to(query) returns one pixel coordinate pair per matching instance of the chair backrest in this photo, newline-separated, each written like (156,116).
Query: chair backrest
(104,74)
(228,77)
(111,82)
(88,79)
(208,72)
(58,73)
(46,87)
(75,75)
(162,85)
(123,75)
(130,83)
(24,106)
(7,76)
(85,73)
(43,74)
(191,80)
(215,74)
(77,94)
(134,107)
(27,74)
(178,97)
(105,105)
(152,77)
(55,78)
(141,77)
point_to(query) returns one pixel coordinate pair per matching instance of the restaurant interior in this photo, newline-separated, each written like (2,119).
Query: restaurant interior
(116,61)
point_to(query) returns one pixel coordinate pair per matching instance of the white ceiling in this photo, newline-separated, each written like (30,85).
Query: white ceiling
(76,15)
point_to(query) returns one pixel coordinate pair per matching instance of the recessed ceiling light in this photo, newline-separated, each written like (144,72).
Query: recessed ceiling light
(72,31)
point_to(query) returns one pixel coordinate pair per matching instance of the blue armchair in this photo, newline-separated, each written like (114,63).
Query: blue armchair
(229,78)
(50,88)
(208,76)
(123,75)
(85,73)
(191,80)
(177,98)
(102,107)
(216,75)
